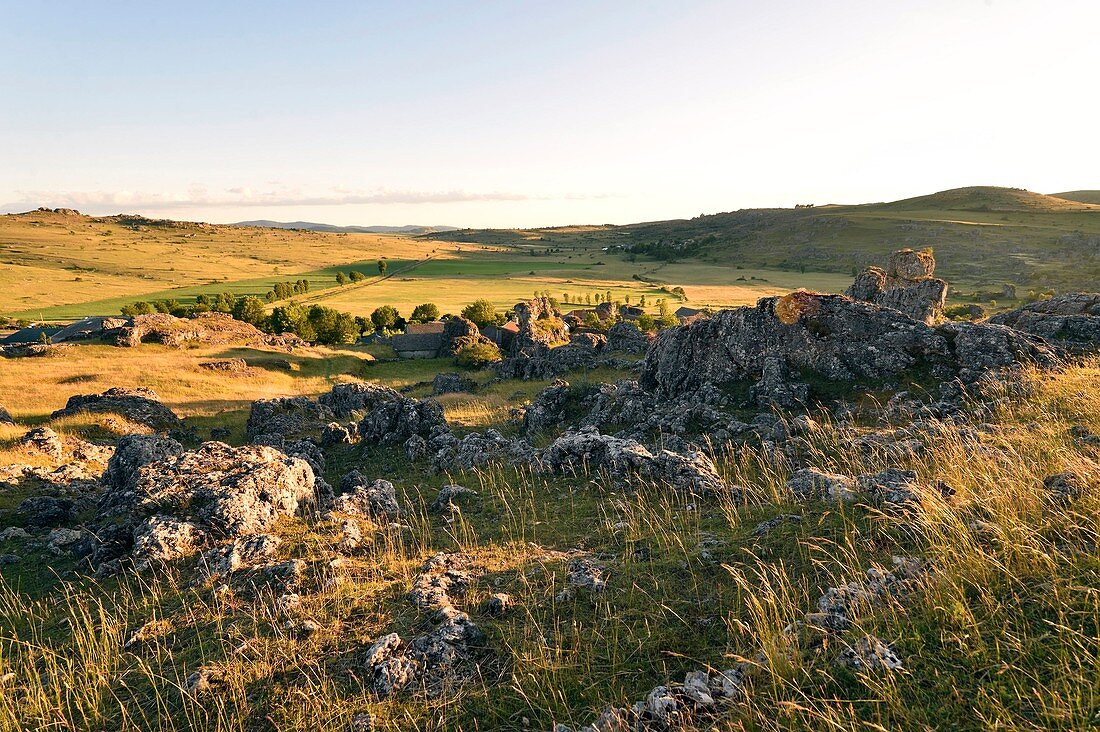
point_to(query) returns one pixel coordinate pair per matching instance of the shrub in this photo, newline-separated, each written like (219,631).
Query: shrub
(251,310)
(476,354)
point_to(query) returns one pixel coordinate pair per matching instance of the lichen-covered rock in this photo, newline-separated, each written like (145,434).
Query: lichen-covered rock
(811,484)
(228,365)
(449,496)
(242,553)
(627,337)
(442,656)
(226,491)
(781,341)
(588,450)
(363,497)
(451,383)
(164,539)
(135,451)
(357,398)
(1071,320)
(475,450)
(287,416)
(45,441)
(394,421)
(142,406)
(891,486)
(906,285)
(869,654)
(548,409)
(5,416)
(47,511)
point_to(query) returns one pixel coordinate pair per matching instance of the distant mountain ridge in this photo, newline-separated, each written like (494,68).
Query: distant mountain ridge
(333,229)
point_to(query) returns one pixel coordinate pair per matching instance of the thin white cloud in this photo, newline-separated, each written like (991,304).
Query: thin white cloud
(242,196)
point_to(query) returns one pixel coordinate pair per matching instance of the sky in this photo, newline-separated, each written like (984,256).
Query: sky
(536,113)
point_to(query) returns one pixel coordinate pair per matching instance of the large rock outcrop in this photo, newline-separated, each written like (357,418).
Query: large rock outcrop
(1071,320)
(906,285)
(287,416)
(782,343)
(206,328)
(142,406)
(170,503)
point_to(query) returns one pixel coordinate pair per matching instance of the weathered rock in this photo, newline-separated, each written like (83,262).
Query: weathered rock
(548,409)
(233,365)
(627,337)
(5,416)
(498,604)
(475,450)
(869,654)
(588,450)
(393,422)
(442,578)
(459,332)
(45,441)
(164,539)
(206,328)
(428,661)
(227,491)
(451,383)
(891,486)
(338,434)
(242,553)
(448,497)
(1067,486)
(204,681)
(134,452)
(47,511)
(357,398)
(1072,320)
(540,326)
(831,337)
(906,285)
(142,406)
(363,497)
(813,484)
(288,416)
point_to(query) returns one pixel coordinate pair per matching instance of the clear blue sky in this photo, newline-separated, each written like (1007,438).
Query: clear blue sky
(537,113)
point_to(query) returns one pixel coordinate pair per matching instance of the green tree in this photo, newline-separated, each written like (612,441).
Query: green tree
(341,279)
(476,355)
(384,317)
(425,313)
(482,312)
(251,310)
(357,276)
(383,265)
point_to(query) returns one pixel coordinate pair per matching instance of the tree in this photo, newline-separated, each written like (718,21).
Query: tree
(384,317)
(482,312)
(341,279)
(357,276)
(251,310)
(363,325)
(642,301)
(383,265)
(424,313)
(645,322)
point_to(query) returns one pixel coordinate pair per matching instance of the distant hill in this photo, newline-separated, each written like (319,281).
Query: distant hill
(332,229)
(984,237)
(987,198)
(1080,196)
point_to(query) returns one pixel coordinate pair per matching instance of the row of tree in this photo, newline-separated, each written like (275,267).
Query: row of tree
(342,278)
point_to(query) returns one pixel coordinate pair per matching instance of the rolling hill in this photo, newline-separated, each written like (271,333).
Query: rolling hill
(333,229)
(984,237)
(1080,196)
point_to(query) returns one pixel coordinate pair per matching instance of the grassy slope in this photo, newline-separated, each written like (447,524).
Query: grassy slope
(1005,634)
(91,266)
(983,237)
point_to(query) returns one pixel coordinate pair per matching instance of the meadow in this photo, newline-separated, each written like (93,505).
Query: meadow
(1004,633)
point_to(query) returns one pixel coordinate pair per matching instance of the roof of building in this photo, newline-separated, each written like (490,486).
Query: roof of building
(410,342)
(436,326)
(686,312)
(32,334)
